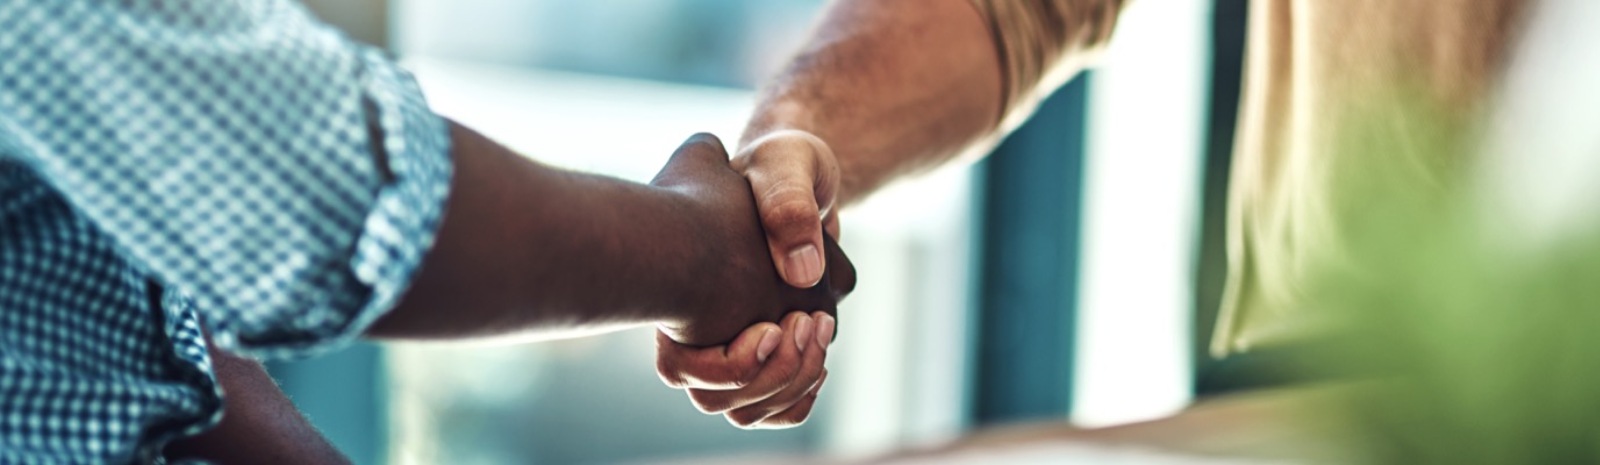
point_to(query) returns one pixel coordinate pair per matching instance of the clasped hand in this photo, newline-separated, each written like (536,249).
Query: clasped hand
(754,353)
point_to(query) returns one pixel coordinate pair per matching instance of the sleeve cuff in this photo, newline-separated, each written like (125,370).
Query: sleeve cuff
(400,226)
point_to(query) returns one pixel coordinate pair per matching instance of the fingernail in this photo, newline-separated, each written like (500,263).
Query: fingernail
(824,331)
(805,265)
(769,343)
(803,332)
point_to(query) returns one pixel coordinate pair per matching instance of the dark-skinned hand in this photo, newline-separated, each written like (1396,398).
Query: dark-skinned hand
(771,374)
(743,288)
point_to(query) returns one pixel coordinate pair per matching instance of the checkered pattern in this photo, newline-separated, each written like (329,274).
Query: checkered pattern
(168,162)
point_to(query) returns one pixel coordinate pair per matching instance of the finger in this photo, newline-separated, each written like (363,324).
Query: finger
(797,414)
(779,415)
(751,415)
(794,178)
(699,149)
(781,371)
(826,329)
(721,367)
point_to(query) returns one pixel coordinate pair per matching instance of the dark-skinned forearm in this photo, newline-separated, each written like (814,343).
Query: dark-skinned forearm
(527,247)
(259,423)
(893,87)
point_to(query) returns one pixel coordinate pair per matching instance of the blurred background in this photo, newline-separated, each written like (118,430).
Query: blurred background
(1050,282)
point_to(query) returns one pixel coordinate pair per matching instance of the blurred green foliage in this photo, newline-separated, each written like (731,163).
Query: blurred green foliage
(1480,345)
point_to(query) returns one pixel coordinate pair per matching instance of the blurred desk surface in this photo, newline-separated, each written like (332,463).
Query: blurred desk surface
(1253,428)
(1247,428)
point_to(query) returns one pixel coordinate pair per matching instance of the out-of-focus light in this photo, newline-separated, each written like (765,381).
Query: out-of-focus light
(1542,169)
(1141,208)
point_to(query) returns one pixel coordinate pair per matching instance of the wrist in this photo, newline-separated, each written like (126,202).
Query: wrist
(693,252)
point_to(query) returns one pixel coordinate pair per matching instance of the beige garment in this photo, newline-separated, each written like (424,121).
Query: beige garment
(1312,66)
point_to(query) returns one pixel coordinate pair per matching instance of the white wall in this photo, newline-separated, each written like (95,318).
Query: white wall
(1142,201)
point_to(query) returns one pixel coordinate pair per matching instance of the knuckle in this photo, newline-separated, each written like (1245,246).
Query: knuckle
(786,370)
(798,413)
(776,145)
(706,402)
(798,142)
(673,380)
(791,150)
(804,379)
(701,146)
(745,418)
(706,138)
(706,141)
(788,209)
(722,376)
(740,375)
(669,374)
(788,420)
(728,375)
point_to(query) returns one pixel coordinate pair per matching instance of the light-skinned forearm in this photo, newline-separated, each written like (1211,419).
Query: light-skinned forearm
(893,87)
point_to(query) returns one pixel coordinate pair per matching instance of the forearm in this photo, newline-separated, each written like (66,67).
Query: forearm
(526,247)
(259,423)
(892,87)
(897,87)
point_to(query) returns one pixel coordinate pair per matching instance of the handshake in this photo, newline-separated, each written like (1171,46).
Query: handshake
(728,259)
(754,351)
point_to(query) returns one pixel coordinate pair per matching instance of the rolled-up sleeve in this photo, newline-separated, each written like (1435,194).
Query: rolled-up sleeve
(1038,39)
(283,178)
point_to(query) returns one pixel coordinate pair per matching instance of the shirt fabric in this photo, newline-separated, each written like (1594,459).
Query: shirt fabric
(173,165)
(1318,72)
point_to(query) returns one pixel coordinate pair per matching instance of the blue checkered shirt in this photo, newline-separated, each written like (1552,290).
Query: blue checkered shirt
(172,165)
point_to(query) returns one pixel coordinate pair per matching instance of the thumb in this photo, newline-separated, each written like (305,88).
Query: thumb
(794,178)
(699,151)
